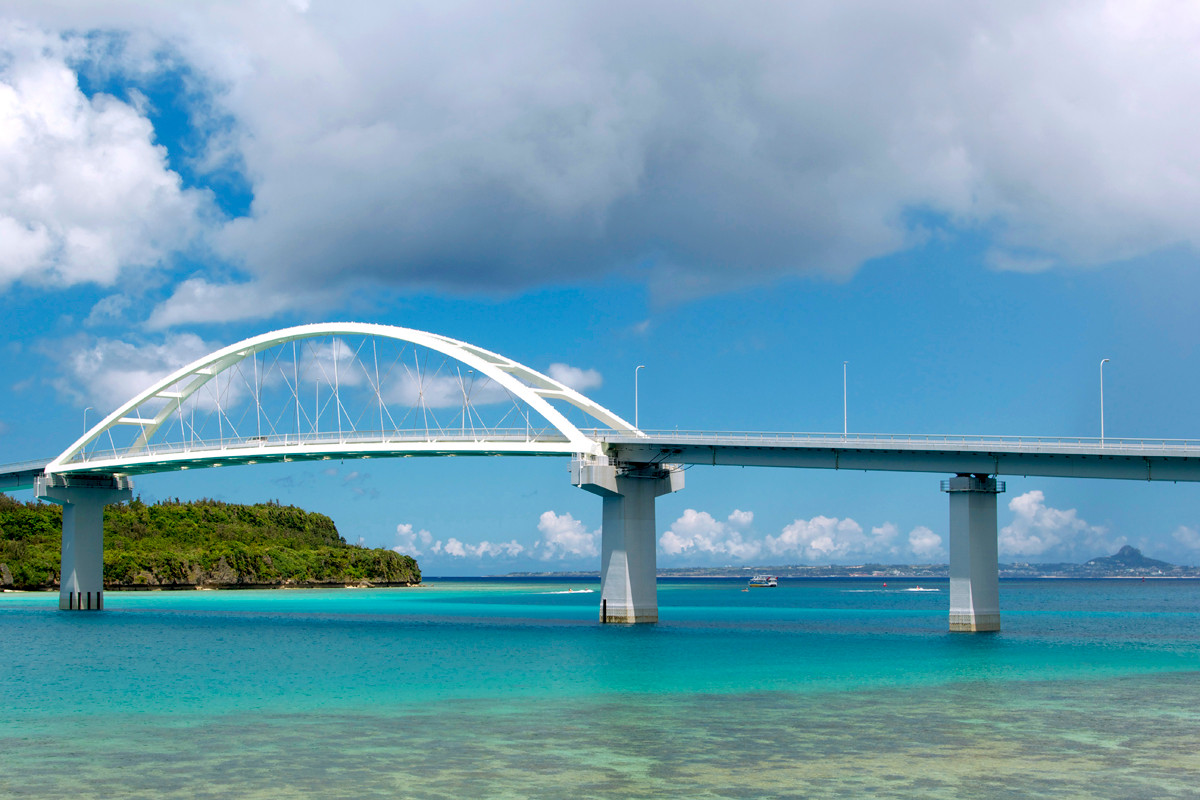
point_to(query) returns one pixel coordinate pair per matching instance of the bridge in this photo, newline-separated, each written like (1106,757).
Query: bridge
(356,390)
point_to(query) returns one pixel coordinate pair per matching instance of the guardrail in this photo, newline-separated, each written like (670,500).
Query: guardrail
(267,443)
(956,442)
(25,466)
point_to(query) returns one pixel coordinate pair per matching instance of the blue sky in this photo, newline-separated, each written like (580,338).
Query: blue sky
(970,204)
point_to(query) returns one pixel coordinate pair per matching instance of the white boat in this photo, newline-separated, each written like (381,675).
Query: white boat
(764,581)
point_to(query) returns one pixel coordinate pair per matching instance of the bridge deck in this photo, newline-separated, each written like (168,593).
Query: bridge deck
(22,474)
(1127,459)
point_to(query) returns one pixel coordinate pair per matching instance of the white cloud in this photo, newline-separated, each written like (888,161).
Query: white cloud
(109,309)
(449,389)
(330,360)
(415,543)
(104,373)
(473,146)
(698,533)
(196,300)
(1041,530)
(484,549)
(562,538)
(565,537)
(924,543)
(85,193)
(578,379)
(741,519)
(885,535)
(1188,537)
(821,538)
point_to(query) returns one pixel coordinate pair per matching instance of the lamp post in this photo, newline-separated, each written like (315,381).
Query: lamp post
(85,427)
(1103,361)
(635,395)
(845,418)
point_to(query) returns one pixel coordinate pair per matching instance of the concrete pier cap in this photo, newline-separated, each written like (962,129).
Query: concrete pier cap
(628,562)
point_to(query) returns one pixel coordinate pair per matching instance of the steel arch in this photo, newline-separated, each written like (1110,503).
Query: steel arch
(526,384)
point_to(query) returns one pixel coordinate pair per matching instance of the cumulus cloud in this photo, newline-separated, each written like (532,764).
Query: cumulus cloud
(476,146)
(698,533)
(85,192)
(415,543)
(565,537)
(826,539)
(574,377)
(421,542)
(741,519)
(924,543)
(484,549)
(562,538)
(1041,530)
(823,540)
(104,373)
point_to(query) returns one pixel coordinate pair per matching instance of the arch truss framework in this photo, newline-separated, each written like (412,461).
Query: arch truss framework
(341,390)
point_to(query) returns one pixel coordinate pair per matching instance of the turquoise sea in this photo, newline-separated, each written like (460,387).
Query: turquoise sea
(510,689)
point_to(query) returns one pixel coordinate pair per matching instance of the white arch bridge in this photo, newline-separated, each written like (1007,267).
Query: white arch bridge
(354,390)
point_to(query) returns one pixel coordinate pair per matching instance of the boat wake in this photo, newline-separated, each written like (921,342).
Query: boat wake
(883,591)
(572,591)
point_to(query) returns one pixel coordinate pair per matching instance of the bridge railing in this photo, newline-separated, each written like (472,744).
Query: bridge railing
(25,466)
(22,474)
(267,443)
(957,441)
(275,443)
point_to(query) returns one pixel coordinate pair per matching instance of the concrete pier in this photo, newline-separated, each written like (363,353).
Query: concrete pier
(628,574)
(81,587)
(974,567)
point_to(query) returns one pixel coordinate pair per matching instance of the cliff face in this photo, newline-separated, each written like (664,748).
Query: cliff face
(206,543)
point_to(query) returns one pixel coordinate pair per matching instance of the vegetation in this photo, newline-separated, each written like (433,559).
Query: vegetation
(175,544)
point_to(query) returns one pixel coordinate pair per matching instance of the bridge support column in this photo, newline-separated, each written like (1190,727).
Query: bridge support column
(974,567)
(81,587)
(628,575)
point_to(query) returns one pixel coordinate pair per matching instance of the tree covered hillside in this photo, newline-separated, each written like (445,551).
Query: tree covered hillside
(175,544)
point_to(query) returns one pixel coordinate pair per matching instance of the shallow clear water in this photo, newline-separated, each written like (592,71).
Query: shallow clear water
(509,688)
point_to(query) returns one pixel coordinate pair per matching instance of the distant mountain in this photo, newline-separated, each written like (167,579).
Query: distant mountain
(1128,558)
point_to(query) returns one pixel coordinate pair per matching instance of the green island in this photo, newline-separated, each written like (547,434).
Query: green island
(205,543)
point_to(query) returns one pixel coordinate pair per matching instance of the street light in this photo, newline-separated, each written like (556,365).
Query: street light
(845,423)
(85,427)
(635,395)
(1103,361)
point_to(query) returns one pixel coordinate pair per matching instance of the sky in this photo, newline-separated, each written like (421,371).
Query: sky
(970,204)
